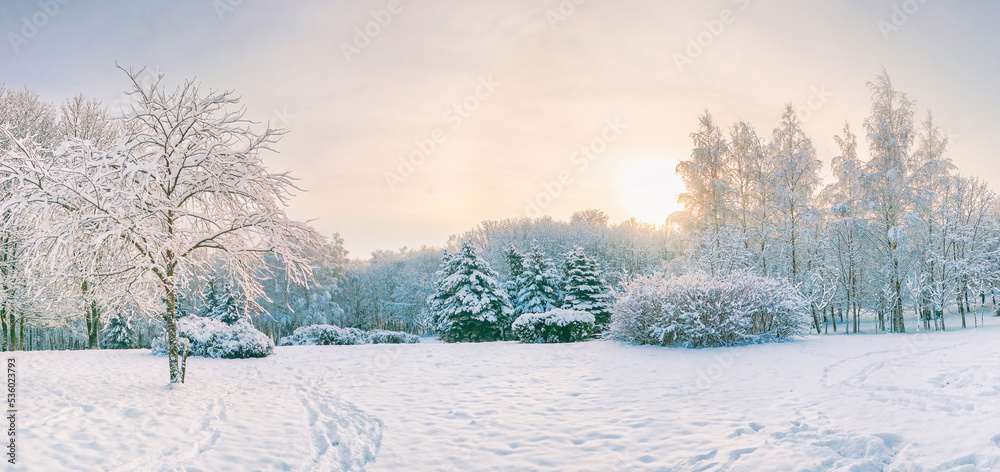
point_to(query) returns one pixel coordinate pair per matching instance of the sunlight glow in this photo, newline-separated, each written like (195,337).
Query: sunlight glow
(649,188)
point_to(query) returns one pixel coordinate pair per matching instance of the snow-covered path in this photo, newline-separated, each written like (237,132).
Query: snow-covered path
(886,402)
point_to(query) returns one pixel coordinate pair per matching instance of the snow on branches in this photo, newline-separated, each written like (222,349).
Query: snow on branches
(468,303)
(184,189)
(700,310)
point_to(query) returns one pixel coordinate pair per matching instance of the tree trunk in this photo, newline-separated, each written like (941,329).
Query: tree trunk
(93,326)
(961,308)
(816,321)
(170,323)
(11,330)
(3,327)
(93,317)
(833,316)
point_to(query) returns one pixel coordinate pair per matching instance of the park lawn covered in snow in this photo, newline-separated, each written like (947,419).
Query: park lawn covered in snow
(865,402)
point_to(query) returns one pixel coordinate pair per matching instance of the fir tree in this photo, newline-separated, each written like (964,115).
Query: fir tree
(119,332)
(220,301)
(585,287)
(539,285)
(515,265)
(468,303)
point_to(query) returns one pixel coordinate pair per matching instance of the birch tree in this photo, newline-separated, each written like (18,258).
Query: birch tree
(796,178)
(751,172)
(708,189)
(847,228)
(889,181)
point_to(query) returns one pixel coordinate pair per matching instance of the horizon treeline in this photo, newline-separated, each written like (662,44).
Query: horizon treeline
(901,237)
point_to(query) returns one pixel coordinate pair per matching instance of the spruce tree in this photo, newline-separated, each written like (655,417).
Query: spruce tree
(539,284)
(118,332)
(468,304)
(220,301)
(515,265)
(585,287)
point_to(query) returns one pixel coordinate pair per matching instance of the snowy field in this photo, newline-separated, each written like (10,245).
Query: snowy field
(863,403)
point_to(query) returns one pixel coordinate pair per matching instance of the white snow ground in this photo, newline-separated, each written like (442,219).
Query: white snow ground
(862,403)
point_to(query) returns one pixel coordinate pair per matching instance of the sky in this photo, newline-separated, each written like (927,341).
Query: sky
(412,120)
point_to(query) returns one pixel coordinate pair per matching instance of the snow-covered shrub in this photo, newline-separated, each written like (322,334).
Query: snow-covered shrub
(699,310)
(381,336)
(209,337)
(325,335)
(554,326)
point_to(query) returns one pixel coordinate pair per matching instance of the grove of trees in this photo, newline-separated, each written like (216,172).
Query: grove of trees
(901,232)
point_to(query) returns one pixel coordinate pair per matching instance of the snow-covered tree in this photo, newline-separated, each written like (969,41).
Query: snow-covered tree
(708,188)
(846,228)
(796,173)
(515,271)
(119,331)
(751,173)
(187,182)
(931,221)
(287,306)
(25,116)
(219,301)
(540,285)
(584,287)
(468,304)
(890,193)
(88,120)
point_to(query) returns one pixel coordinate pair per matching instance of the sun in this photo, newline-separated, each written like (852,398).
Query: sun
(649,188)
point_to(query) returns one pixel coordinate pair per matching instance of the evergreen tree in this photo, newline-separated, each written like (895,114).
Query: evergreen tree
(468,304)
(515,265)
(585,287)
(119,332)
(539,286)
(220,301)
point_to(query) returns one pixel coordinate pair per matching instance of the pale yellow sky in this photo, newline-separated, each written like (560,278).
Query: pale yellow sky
(529,94)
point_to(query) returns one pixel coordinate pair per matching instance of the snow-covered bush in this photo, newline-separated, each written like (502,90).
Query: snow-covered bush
(208,337)
(699,310)
(382,336)
(325,335)
(554,326)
